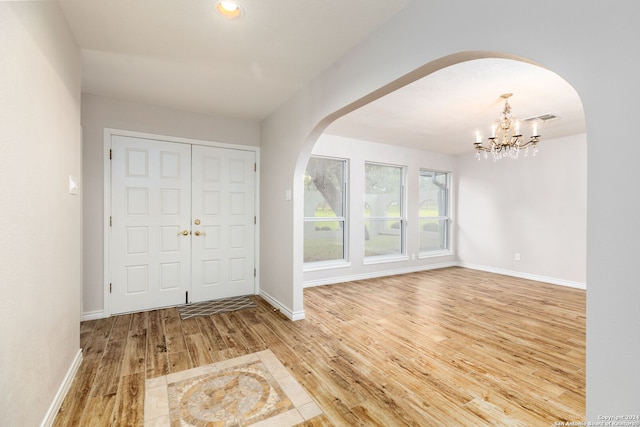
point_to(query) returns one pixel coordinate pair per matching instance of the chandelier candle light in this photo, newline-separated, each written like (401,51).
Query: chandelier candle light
(506,139)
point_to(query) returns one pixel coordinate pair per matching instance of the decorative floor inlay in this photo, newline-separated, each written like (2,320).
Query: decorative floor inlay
(240,395)
(252,390)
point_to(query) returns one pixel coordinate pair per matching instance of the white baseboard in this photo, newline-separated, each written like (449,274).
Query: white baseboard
(528,276)
(374,274)
(92,315)
(292,315)
(50,416)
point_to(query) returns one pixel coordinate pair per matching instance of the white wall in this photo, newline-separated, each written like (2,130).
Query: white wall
(99,113)
(534,206)
(592,45)
(358,152)
(40,222)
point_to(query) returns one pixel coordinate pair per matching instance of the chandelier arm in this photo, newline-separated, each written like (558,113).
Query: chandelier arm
(480,147)
(532,142)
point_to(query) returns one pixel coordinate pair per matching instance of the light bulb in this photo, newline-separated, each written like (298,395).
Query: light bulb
(228,9)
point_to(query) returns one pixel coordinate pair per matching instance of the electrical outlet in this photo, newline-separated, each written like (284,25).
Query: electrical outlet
(516,257)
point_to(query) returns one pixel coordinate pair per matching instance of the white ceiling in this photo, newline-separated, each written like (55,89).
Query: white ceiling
(443,111)
(180,54)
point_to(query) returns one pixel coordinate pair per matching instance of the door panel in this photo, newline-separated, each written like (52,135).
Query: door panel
(151,206)
(158,249)
(223,188)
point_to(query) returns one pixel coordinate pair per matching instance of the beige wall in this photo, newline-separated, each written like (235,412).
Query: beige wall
(99,113)
(40,222)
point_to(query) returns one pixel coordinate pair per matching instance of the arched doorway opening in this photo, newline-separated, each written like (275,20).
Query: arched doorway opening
(437,110)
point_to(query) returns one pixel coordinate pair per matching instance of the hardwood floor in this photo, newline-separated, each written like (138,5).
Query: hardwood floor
(443,347)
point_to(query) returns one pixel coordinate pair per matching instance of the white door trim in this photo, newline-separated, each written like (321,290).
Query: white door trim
(108,133)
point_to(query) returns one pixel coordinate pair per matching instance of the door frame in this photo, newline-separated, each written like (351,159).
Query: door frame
(108,133)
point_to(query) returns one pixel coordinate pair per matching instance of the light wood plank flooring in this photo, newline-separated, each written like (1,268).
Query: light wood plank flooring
(443,347)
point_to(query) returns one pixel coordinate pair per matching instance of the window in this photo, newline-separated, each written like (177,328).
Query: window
(434,211)
(383,210)
(324,210)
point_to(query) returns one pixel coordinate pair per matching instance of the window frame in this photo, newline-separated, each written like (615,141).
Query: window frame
(344,219)
(447,250)
(402,255)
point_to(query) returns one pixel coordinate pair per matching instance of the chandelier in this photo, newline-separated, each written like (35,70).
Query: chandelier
(506,141)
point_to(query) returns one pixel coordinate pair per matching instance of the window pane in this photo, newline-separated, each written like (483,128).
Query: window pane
(433,234)
(383,191)
(433,193)
(434,211)
(324,222)
(383,210)
(323,241)
(323,181)
(382,238)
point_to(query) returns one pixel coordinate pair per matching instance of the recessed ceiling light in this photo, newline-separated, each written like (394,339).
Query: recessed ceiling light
(229,9)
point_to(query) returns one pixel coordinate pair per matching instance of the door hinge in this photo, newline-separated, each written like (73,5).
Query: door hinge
(110,221)
(255,221)
(110,288)
(254,272)
(255,167)
(186,297)
(110,154)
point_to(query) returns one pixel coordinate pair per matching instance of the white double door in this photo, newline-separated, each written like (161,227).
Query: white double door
(182,223)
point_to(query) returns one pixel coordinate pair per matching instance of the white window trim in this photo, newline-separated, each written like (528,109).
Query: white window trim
(435,254)
(382,259)
(325,265)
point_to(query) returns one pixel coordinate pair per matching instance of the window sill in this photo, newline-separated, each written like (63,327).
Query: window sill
(325,265)
(434,254)
(384,259)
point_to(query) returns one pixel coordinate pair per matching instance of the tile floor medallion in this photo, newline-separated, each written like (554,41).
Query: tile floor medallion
(254,390)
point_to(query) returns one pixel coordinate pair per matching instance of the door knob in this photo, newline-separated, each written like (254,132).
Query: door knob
(183,233)
(199,233)
(196,222)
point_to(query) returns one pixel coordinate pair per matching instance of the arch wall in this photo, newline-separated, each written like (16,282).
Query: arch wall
(589,45)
